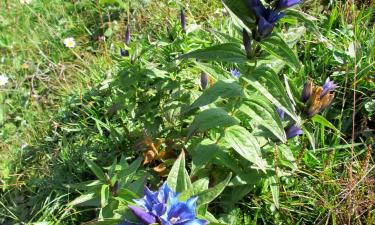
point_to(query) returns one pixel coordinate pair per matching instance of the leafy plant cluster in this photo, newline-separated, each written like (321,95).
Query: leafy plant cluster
(222,119)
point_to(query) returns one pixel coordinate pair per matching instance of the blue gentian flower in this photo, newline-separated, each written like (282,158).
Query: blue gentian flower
(293,131)
(235,73)
(183,20)
(163,207)
(283,4)
(265,19)
(181,213)
(155,202)
(281,113)
(328,87)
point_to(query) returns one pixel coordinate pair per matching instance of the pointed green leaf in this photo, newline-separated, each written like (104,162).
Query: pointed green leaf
(178,178)
(211,118)
(246,145)
(228,52)
(95,169)
(260,110)
(277,47)
(209,195)
(223,89)
(274,190)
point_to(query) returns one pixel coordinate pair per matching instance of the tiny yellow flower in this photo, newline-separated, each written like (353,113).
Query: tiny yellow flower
(69,42)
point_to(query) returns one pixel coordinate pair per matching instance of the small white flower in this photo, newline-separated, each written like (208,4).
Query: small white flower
(25,2)
(69,42)
(3,80)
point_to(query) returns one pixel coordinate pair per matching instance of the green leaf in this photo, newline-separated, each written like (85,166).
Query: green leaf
(323,121)
(95,169)
(277,47)
(264,115)
(208,152)
(274,190)
(246,145)
(241,9)
(178,178)
(267,83)
(228,52)
(209,195)
(249,178)
(287,157)
(222,88)
(211,118)
(104,195)
(82,199)
(126,174)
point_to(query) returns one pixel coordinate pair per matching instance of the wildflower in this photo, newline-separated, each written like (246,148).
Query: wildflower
(265,19)
(155,202)
(153,208)
(204,80)
(293,131)
(181,213)
(283,4)
(183,20)
(127,36)
(3,80)
(246,42)
(281,113)
(69,42)
(307,90)
(25,2)
(328,87)
(320,97)
(235,73)
(124,52)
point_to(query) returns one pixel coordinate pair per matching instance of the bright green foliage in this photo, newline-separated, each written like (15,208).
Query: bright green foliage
(84,129)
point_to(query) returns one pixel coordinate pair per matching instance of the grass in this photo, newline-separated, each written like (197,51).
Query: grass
(56,107)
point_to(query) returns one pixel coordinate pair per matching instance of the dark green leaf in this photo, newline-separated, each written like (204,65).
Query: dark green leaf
(211,118)
(246,145)
(229,52)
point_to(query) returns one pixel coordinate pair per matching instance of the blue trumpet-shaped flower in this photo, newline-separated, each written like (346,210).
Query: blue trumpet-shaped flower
(181,213)
(293,131)
(266,18)
(328,87)
(235,73)
(283,4)
(163,207)
(155,202)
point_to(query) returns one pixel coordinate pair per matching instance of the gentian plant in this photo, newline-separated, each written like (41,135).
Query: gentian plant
(163,207)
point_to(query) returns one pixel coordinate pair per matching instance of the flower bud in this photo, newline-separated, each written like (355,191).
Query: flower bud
(127,36)
(307,90)
(246,42)
(183,20)
(204,80)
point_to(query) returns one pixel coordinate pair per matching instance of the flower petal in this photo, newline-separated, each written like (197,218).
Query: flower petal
(142,215)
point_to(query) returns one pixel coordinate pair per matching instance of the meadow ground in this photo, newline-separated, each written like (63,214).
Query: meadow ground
(63,108)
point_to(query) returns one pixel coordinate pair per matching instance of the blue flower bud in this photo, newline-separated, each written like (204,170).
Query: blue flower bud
(183,20)
(328,87)
(127,36)
(246,42)
(235,73)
